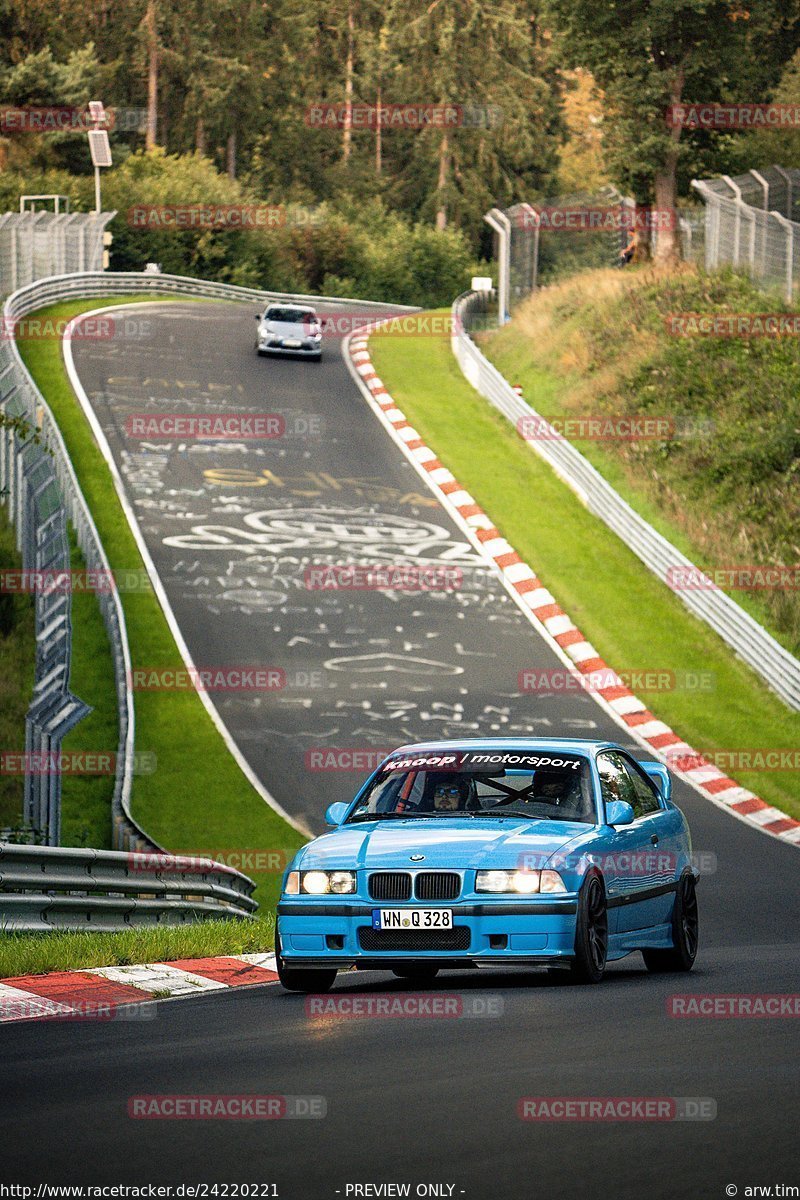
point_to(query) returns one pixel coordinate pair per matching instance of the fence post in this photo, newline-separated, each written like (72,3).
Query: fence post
(535,254)
(685,229)
(751,214)
(711,203)
(789,227)
(759,178)
(788,179)
(737,193)
(500,223)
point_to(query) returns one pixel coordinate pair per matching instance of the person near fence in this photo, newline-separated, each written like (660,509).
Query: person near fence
(629,249)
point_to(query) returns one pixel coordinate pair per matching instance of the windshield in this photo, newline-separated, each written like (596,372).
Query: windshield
(541,786)
(291,316)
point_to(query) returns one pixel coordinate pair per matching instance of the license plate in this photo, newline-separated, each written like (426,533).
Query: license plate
(292,343)
(412,918)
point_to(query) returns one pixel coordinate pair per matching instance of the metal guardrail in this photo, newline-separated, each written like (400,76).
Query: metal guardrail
(753,644)
(118,283)
(47,888)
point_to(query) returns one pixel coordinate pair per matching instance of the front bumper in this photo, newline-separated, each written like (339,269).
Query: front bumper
(486,932)
(308,349)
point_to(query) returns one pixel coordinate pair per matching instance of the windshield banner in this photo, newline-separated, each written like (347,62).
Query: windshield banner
(484,760)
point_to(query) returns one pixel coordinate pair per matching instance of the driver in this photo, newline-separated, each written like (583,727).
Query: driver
(564,791)
(446,797)
(549,786)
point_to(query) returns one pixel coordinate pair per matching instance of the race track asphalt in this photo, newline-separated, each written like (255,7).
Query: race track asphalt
(422,1100)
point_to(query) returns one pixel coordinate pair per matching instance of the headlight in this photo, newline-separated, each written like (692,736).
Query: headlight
(523,883)
(320,883)
(342,881)
(493,881)
(316,883)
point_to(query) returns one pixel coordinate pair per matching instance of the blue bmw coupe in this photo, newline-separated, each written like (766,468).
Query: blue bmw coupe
(494,853)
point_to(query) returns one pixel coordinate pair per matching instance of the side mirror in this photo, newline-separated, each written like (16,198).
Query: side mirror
(257,317)
(619,812)
(336,813)
(658,772)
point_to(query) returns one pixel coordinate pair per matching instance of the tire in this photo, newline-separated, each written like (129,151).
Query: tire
(591,933)
(685,932)
(302,979)
(420,975)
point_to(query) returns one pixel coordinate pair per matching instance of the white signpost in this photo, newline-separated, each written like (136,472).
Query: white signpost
(99,147)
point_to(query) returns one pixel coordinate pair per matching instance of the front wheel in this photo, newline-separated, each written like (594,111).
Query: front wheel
(685,932)
(591,933)
(302,979)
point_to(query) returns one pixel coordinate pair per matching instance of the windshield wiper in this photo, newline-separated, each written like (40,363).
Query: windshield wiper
(410,816)
(388,816)
(511,812)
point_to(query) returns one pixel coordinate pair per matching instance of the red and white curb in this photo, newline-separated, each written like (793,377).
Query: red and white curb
(104,993)
(552,622)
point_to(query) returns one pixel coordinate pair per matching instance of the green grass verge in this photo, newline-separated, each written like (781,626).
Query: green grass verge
(632,619)
(197,799)
(71,950)
(17,647)
(724,492)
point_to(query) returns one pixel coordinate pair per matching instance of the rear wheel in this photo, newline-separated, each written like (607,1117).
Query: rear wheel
(420,975)
(302,979)
(685,932)
(591,933)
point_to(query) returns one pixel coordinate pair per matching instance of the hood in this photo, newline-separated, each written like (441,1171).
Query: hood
(465,843)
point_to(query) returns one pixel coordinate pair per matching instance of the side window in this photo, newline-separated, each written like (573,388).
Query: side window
(646,798)
(615,782)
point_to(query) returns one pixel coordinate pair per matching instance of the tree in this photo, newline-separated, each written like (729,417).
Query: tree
(648,55)
(484,58)
(39,80)
(582,166)
(782,146)
(150,32)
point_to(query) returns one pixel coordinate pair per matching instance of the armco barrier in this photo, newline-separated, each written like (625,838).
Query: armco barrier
(46,888)
(20,397)
(753,644)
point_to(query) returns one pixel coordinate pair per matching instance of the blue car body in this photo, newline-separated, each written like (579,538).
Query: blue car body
(640,862)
